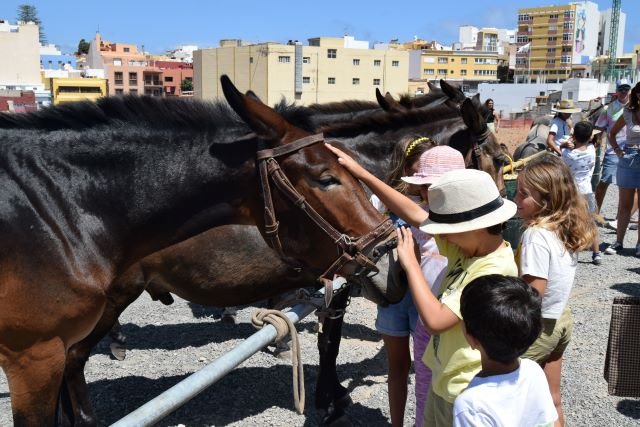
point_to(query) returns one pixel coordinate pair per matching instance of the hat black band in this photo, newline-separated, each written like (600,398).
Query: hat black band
(466,215)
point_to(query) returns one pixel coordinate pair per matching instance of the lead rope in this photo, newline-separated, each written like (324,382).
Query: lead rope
(284,326)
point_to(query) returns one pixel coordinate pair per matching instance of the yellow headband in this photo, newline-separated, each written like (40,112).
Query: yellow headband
(415,142)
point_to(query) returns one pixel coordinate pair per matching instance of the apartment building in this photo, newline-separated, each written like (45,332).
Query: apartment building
(466,67)
(20,57)
(552,40)
(328,69)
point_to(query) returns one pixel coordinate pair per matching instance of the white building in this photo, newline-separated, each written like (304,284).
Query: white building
(605,32)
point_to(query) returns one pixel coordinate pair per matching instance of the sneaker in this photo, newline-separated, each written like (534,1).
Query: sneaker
(596,258)
(613,248)
(613,224)
(633,226)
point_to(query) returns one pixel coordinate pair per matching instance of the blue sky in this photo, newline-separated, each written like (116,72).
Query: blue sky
(159,25)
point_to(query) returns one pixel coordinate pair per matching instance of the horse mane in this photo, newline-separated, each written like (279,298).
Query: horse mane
(383,122)
(139,111)
(347,106)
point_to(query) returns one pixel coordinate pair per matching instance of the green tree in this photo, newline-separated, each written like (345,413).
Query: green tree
(186,85)
(83,47)
(28,13)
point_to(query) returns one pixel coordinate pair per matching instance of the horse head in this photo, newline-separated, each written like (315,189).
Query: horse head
(312,205)
(482,151)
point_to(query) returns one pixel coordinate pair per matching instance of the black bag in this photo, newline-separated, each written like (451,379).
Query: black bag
(622,363)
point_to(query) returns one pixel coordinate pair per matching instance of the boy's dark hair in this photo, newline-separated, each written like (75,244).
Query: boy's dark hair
(582,131)
(503,313)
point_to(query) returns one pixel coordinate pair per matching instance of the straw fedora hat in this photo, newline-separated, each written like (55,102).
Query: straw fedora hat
(435,162)
(566,106)
(465,200)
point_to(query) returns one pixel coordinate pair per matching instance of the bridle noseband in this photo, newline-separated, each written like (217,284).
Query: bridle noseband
(352,251)
(476,149)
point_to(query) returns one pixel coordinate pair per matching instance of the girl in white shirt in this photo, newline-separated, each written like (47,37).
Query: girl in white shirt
(558,227)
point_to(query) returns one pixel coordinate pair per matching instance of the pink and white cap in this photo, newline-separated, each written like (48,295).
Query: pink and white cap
(434,163)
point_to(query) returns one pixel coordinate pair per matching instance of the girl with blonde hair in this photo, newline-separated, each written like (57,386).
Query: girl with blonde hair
(558,226)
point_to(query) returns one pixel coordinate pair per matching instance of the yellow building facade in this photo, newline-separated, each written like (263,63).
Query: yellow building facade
(76,89)
(323,71)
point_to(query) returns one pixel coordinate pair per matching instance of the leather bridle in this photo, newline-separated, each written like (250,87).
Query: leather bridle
(356,255)
(476,149)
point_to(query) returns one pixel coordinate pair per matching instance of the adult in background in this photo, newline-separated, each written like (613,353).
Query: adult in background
(605,122)
(560,129)
(628,173)
(493,119)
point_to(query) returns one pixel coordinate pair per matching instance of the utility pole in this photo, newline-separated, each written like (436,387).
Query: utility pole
(613,39)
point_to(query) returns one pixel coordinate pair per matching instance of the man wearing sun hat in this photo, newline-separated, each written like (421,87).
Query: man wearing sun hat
(560,130)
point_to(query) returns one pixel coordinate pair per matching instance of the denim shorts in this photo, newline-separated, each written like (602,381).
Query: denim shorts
(398,320)
(628,174)
(609,168)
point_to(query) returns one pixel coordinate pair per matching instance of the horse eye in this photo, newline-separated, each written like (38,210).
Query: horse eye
(327,180)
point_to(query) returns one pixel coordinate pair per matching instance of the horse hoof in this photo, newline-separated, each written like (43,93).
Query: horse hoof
(335,418)
(119,351)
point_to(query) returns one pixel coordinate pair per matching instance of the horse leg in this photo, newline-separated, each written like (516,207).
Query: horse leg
(34,376)
(118,342)
(331,397)
(120,294)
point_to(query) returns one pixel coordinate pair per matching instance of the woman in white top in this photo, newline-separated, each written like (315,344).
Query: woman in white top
(628,173)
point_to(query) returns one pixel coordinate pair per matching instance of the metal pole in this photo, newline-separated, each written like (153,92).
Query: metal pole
(167,402)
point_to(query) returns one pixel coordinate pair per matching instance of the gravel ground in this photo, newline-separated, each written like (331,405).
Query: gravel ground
(168,343)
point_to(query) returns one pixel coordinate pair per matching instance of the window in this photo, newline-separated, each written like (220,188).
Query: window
(332,53)
(306,80)
(284,59)
(395,63)
(553,28)
(377,62)
(168,79)
(117,76)
(566,37)
(331,80)
(117,62)
(442,71)
(551,61)
(442,60)
(376,82)
(551,50)
(133,79)
(428,71)
(463,61)
(554,16)
(453,59)
(251,60)
(568,26)
(523,39)
(566,59)
(552,39)
(306,60)
(524,17)
(126,49)
(490,61)
(463,72)
(356,61)
(355,81)
(133,92)
(119,92)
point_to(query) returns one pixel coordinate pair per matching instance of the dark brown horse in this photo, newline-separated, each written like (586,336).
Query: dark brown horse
(186,270)
(91,189)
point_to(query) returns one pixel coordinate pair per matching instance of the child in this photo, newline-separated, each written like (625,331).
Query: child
(558,227)
(560,128)
(396,322)
(465,215)
(502,318)
(580,156)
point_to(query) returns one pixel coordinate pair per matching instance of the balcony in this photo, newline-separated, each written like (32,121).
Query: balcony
(152,82)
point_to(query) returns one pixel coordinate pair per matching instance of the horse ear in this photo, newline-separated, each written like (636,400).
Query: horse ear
(453,92)
(382,101)
(472,118)
(251,94)
(262,119)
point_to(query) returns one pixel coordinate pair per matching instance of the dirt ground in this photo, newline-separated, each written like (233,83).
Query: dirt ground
(513,136)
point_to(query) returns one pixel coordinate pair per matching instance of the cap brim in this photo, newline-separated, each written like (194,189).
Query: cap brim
(500,215)
(419,180)
(567,110)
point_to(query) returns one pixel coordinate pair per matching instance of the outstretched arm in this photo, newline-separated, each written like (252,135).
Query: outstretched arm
(437,317)
(395,201)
